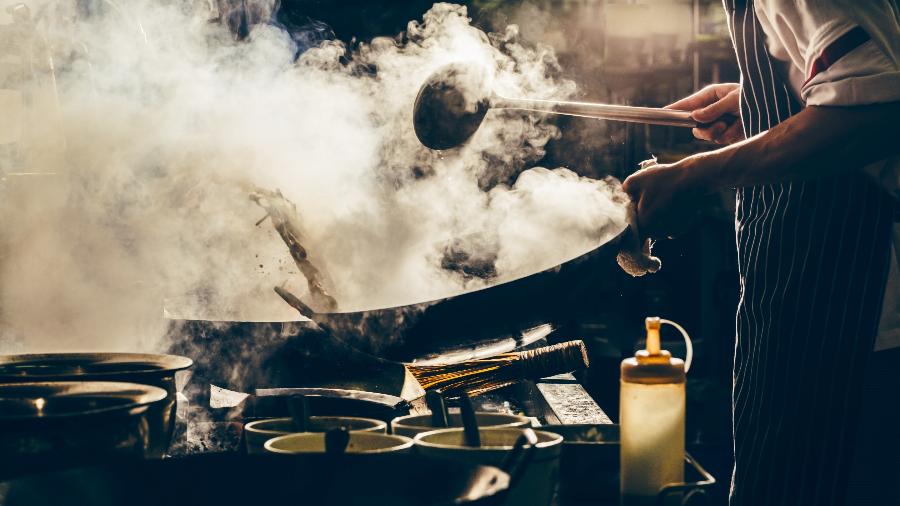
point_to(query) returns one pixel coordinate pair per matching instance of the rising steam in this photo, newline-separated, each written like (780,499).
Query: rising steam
(164,125)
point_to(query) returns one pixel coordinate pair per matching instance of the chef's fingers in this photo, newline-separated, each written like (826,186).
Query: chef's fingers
(708,95)
(700,99)
(712,132)
(632,186)
(734,133)
(729,105)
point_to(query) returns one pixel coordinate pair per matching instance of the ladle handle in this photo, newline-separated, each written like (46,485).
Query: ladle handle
(337,440)
(435,402)
(471,434)
(646,115)
(298,407)
(517,461)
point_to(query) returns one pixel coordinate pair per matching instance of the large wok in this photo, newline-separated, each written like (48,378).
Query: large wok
(230,479)
(365,350)
(431,329)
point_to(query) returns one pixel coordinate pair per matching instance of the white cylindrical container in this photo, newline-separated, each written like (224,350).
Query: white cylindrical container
(651,413)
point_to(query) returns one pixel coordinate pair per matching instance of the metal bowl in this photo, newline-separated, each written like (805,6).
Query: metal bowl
(69,422)
(413,425)
(144,368)
(369,443)
(256,433)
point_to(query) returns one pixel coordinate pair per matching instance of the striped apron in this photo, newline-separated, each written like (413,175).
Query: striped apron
(813,260)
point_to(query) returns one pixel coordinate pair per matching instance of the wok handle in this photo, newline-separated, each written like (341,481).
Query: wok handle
(517,461)
(645,115)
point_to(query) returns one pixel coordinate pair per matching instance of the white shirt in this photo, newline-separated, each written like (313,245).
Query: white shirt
(797,31)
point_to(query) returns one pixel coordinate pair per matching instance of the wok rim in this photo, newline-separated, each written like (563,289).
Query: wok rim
(613,239)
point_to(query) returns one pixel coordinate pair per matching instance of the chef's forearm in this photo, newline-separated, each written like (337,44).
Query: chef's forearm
(818,141)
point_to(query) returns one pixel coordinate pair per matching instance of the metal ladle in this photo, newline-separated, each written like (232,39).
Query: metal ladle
(453,101)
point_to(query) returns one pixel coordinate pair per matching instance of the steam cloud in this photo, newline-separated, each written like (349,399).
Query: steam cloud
(164,124)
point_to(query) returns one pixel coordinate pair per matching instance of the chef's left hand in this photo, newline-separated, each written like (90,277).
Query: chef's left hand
(664,197)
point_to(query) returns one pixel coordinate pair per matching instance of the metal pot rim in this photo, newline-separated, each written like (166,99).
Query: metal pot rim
(551,439)
(510,421)
(146,363)
(140,396)
(254,425)
(402,442)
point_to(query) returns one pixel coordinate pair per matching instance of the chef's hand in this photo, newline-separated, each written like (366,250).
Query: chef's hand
(664,195)
(717,106)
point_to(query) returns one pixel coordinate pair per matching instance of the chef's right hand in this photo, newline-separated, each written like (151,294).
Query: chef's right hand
(718,107)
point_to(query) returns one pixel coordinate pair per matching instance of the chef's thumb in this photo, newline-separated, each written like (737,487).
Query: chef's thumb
(712,112)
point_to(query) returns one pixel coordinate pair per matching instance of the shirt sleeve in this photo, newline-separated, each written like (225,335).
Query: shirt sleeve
(863,76)
(867,74)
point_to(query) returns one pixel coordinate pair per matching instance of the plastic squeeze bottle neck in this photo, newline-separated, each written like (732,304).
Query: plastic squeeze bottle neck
(653,365)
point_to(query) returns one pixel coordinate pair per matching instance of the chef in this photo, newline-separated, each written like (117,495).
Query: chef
(814,157)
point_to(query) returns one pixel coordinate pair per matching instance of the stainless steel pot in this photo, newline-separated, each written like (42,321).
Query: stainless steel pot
(143,368)
(65,422)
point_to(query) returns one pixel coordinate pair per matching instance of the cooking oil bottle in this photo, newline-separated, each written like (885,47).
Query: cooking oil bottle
(651,416)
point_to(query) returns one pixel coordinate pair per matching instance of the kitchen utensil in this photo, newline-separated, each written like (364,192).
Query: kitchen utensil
(652,407)
(313,359)
(483,375)
(144,368)
(299,408)
(256,433)
(482,322)
(452,103)
(43,425)
(358,442)
(411,425)
(231,479)
(470,422)
(337,440)
(476,324)
(271,402)
(535,481)
(435,402)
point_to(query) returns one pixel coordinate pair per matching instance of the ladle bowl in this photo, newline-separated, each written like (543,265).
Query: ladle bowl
(453,101)
(450,106)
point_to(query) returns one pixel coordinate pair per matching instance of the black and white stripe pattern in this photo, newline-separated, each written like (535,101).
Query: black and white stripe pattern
(813,258)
